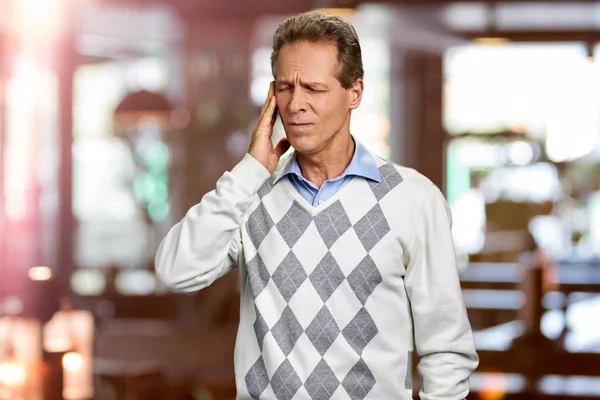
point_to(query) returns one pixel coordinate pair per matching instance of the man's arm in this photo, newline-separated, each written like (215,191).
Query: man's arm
(443,337)
(206,243)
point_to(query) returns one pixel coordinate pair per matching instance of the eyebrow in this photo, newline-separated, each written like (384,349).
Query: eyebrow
(305,84)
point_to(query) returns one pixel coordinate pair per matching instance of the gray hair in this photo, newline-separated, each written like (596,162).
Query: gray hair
(320,27)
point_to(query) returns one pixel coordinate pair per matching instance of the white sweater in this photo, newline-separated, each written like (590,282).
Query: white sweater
(331,295)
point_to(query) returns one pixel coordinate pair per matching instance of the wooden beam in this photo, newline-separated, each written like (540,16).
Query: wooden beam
(445,2)
(585,35)
(584,364)
(327,3)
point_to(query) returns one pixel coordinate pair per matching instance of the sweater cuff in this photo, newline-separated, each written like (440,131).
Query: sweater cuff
(250,174)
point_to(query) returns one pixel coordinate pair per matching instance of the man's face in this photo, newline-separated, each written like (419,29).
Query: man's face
(313,105)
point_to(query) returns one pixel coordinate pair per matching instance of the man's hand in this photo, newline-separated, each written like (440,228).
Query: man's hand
(261,144)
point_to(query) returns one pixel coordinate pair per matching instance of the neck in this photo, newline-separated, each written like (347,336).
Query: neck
(330,162)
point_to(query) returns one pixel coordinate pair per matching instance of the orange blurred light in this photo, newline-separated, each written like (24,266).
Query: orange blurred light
(12,374)
(37,20)
(344,13)
(72,361)
(494,387)
(491,40)
(40,273)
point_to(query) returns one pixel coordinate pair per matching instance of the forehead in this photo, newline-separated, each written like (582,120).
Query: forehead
(318,60)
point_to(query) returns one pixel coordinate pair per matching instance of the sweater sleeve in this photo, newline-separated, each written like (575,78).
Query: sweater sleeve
(206,243)
(443,336)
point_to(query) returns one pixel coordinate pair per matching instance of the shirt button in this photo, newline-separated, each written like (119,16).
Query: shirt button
(320,201)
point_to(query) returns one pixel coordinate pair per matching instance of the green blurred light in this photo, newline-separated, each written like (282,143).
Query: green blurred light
(458,176)
(149,187)
(140,187)
(159,191)
(158,211)
(156,156)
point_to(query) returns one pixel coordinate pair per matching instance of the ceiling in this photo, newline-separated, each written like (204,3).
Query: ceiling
(533,20)
(517,20)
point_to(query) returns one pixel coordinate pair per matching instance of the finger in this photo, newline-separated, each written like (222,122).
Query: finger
(269,113)
(282,147)
(267,100)
(275,112)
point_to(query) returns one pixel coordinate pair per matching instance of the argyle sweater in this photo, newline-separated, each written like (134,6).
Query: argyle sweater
(335,297)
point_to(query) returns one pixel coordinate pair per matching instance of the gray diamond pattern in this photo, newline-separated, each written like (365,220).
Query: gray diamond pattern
(371,228)
(360,331)
(390,178)
(259,224)
(364,278)
(285,382)
(257,379)
(323,330)
(332,223)
(289,276)
(359,381)
(260,328)
(287,331)
(409,370)
(266,188)
(327,276)
(258,275)
(322,382)
(294,224)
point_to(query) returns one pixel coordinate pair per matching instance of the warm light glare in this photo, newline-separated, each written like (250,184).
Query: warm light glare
(39,6)
(57,343)
(344,13)
(494,387)
(40,274)
(72,361)
(491,40)
(22,90)
(12,374)
(38,18)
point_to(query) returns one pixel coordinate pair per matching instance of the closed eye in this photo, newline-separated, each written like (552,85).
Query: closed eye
(286,87)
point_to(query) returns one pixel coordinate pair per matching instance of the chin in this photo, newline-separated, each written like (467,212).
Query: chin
(301,143)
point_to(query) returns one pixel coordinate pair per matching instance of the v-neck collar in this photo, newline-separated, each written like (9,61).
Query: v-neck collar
(315,210)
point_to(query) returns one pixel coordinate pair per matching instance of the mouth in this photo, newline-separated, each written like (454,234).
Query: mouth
(299,125)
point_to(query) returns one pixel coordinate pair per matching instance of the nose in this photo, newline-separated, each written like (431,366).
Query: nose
(297,102)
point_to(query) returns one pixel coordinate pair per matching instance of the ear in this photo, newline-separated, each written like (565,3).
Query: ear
(355,93)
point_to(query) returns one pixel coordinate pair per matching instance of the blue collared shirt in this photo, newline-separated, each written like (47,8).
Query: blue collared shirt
(362,164)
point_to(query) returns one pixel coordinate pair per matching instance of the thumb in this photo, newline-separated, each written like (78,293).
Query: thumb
(282,147)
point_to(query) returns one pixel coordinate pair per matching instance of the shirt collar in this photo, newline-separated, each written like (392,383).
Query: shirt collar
(362,164)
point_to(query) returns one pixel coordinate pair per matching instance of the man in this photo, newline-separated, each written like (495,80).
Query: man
(344,257)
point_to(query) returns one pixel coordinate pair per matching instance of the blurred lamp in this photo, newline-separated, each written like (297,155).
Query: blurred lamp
(345,13)
(140,105)
(73,361)
(40,273)
(589,49)
(494,386)
(491,40)
(20,358)
(12,373)
(491,36)
(71,331)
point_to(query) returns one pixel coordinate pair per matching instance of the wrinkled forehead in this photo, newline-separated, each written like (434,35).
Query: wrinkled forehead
(307,61)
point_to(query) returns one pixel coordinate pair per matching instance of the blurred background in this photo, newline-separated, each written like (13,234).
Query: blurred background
(116,116)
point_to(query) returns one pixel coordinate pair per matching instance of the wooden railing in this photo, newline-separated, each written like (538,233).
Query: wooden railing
(506,303)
